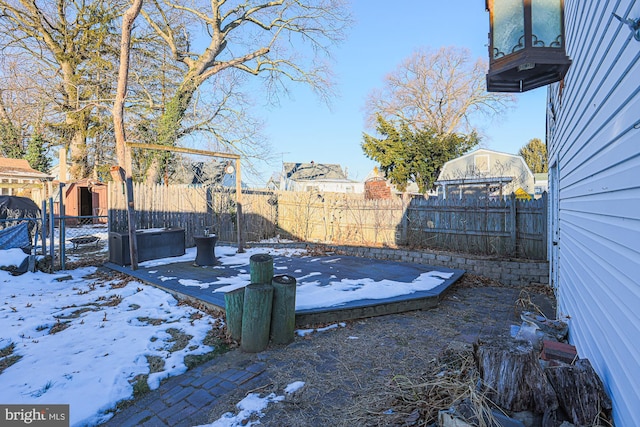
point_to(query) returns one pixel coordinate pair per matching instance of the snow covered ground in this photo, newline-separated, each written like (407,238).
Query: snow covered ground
(86,340)
(252,407)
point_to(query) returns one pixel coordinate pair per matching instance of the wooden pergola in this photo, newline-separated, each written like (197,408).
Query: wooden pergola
(232,156)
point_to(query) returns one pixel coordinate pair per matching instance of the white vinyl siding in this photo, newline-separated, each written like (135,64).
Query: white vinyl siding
(595,137)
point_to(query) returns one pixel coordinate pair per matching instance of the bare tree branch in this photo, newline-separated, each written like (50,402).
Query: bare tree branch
(442,90)
(256,37)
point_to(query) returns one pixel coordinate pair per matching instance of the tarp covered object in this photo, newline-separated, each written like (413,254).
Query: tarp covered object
(14,207)
(15,237)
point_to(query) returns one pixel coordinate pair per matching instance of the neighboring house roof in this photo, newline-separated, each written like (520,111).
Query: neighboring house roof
(19,168)
(274,181)
(313,172)
(205,173)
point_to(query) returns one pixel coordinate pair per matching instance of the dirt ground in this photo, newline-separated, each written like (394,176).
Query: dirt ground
(374,372)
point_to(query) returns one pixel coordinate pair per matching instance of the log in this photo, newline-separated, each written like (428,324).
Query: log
(261,268)
(512,376)
(234,304)
(283,313)
(256,317)
(580,391)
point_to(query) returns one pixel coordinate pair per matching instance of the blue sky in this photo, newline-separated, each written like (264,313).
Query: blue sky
(303,128)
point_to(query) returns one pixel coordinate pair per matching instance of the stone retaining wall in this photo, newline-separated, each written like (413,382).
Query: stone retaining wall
(517,273)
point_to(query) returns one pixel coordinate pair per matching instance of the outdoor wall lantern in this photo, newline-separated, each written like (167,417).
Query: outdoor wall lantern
(526,44)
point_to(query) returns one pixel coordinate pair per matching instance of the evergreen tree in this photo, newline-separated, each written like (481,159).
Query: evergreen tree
(534,154)
(10,142)
(36,153)
(416,156)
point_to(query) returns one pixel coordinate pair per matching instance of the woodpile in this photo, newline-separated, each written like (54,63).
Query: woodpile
(512,376)
(539,381)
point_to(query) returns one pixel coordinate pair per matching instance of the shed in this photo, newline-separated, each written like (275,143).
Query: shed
(484,174)
(86,198)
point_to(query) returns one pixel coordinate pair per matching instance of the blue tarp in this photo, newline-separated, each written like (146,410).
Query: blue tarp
(16,236)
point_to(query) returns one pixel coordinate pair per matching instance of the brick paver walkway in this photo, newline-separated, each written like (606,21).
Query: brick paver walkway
(184,400)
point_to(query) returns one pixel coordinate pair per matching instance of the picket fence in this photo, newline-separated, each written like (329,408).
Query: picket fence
(504,228)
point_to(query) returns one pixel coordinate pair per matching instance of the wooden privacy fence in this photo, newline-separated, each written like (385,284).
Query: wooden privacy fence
(506,228)
(339,218)
(195,209)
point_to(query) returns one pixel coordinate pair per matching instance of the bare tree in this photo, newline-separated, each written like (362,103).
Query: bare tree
(10,137)
(123,154)
(70,43)
(439,90)
(22,108)
(256,37)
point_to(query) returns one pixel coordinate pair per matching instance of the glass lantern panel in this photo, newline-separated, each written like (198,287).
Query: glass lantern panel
(508,27)
(546,23)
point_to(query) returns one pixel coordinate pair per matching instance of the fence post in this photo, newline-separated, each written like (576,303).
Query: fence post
(283,310)
(545,225)
(52,231)
(43,229)
(261,268)
(256,317)
(110,208)
(61,226)
(131,216)
(514,227)
(234,307)
(404,225)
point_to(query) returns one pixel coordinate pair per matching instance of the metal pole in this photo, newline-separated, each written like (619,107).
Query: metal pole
(52,231)
(63,221)
(43,229)
(239,206)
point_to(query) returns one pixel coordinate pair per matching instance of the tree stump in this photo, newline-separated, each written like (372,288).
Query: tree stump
(234,304)
(256,317)
(261,268)
(283,314)
(580,391)
(512,376)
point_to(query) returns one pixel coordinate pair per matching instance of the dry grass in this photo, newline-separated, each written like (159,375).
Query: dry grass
(393,370)
(447,379)
(7,358)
